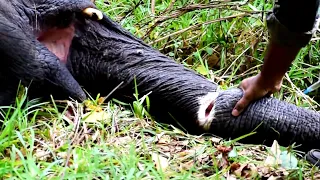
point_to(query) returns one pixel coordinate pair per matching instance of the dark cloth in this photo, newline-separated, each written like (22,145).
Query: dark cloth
(293,22)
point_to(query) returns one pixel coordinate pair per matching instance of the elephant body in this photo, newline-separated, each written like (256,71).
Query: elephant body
(98,55)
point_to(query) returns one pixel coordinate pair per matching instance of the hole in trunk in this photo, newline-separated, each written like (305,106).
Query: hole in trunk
(209,109)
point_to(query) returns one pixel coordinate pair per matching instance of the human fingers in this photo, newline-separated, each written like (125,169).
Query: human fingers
(241,105)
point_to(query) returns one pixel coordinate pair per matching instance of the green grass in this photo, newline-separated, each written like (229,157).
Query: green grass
(38,141)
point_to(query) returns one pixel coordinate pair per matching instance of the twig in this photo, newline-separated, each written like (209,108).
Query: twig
(114,127)
(295,88)
(169,7)
(179,12)
(153,4)
(113,90)
(76,135)
(81,138)
(131,10)
(183,10)
(198,25)
(249,12)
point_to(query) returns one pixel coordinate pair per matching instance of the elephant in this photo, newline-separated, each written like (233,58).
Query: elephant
(60,48)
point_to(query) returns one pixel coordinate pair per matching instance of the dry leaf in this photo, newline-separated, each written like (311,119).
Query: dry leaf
(41,154)
(272,178)
(215,140)
(164,148)
(231,177)
(315,177)
(158,137)
(63,155)
(96,135)
(272,173)
(234,166)
(69,114)
(222,155)
(186,166)
(274,158)
(275,178)
(204,159)
(189,60)
(92,107)
(213,61)
(163,139)
(223,161)
(97,116)
(141,167)
(160,161)
(224,149)
(184,153)
(202,70)
(180,143)
(101,100)
(246,170)
(264,170)
(117,141)
(190,152)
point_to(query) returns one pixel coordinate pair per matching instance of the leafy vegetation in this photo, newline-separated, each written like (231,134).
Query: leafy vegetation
(223,40)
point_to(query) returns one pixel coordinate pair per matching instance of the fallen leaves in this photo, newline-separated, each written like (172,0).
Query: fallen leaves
(276,164)
(167,144)
(161,162)
(285,159)
(171,152)
(223,151)
(259,162)
(94,117)
(246,171)
(274,158)
(120,141)
(95,113)
(236,169)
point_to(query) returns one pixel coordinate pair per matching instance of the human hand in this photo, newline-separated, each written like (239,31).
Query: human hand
(255,88)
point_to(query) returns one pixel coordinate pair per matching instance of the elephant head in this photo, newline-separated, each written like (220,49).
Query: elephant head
(35,37)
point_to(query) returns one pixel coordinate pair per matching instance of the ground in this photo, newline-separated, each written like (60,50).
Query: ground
(221,40)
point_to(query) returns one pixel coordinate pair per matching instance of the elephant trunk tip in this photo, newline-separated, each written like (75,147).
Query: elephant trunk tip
(206,112)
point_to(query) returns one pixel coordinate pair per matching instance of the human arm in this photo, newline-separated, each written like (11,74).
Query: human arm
(291,26)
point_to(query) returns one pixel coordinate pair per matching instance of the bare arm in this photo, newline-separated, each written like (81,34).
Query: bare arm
(291,26)
(277,62)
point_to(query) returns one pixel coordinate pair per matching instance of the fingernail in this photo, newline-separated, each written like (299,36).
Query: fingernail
(235,112)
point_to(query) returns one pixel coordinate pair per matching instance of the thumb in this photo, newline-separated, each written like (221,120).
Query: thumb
(240,106)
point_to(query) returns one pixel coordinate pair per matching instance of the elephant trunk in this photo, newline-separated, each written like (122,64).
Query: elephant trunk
(270,118)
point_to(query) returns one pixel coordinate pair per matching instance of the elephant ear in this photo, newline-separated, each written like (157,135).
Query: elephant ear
(29,61)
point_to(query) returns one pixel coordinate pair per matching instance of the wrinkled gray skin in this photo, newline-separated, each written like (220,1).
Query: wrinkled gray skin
(272,119)
(24,58)
(103,54)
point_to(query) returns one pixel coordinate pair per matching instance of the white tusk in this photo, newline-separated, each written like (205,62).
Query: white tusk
(92,11)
